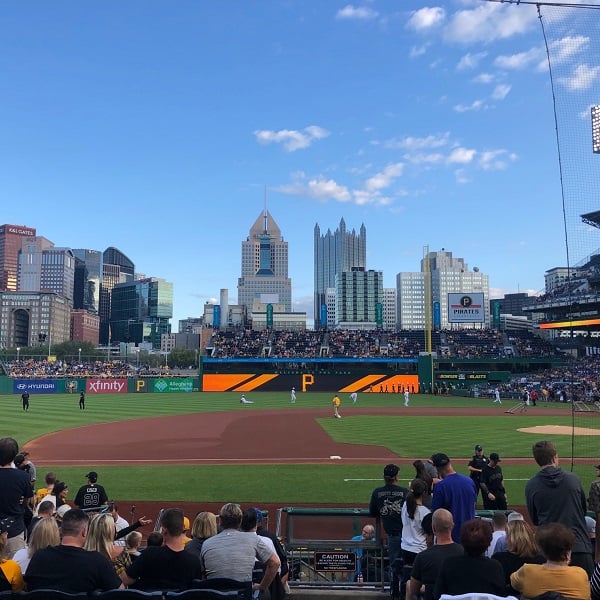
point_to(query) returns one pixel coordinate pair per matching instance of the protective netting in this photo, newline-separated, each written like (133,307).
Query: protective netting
(572,41)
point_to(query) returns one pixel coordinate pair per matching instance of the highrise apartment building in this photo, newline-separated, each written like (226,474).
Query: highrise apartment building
(335,253)
(264,275)
(11,241)
(448,275)
(359,299)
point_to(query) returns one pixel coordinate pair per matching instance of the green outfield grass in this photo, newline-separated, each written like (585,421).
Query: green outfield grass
(338,483)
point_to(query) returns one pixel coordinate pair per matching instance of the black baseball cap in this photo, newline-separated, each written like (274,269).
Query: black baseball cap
(495,457)
(478,448)
(440,460)
(391,470)
(92,476)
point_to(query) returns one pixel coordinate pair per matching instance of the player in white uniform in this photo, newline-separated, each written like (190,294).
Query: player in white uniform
(293,395)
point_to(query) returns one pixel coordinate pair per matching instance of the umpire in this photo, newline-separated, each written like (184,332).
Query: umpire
(476,466)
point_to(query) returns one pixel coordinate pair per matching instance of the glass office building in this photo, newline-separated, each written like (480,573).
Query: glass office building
(116,268)
(335,253)
(141,311)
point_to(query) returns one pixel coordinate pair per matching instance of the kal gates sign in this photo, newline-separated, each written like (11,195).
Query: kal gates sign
(35,386)
(106,386)
(466,308)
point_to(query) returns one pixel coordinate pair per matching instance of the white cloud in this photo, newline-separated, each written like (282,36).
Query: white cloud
(489,22)
(319,189)
(291,139)
(461,156)
(501,91)
(494,160)
(360,13)
(484,78)
(565,48)
(520,60)
(470,61)
(426,18)
(417,143)
(417,51)
(582,77)
(461,177)
(475,105)
(424,158)
(384,178)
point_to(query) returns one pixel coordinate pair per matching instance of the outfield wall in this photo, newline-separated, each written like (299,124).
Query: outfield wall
(100,385)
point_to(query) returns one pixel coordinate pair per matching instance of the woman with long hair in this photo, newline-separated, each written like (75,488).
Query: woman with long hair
(521,548)
(101,537)
(203,527)
(414,539)
(421,473)
(45,533)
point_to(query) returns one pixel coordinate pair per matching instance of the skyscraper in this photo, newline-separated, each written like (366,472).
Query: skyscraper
(88,279)
(11,240)
(448,275)
(46,267)
(116,268)
(140,310)
(335,253)
(265,266)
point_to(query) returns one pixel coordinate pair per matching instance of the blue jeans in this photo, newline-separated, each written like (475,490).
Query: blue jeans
(394,556)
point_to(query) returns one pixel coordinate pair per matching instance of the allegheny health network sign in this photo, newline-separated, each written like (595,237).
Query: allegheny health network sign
(166,386)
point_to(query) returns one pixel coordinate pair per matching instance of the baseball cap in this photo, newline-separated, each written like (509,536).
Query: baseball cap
(478,448)
(92,476)
(440,459)
(19,459)
(495,457)
(259,514)
(515,516)
(391,470)
(6,524)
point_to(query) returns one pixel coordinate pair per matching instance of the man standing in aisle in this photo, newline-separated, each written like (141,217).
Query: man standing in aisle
(455,492)
(554,495)
(386,504)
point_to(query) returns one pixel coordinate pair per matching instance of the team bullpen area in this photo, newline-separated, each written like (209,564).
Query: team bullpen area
(207,447)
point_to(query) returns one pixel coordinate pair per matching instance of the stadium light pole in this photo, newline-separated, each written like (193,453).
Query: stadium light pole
(18,352)
(79,354)
(596,129)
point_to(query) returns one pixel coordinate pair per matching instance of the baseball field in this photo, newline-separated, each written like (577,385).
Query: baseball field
(205,448)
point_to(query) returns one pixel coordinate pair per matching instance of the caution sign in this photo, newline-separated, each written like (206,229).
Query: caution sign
(335,561)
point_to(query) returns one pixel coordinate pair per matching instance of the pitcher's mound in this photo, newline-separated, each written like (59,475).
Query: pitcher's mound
(559,430)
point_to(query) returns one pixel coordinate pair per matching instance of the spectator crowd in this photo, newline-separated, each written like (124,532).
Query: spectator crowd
(436,544)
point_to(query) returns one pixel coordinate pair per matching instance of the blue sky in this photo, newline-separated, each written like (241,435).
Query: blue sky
(154,126)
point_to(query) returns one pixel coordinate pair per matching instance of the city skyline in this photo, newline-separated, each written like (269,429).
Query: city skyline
(155,130)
